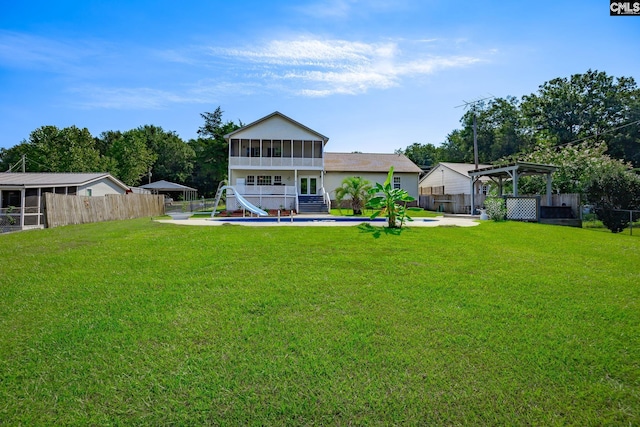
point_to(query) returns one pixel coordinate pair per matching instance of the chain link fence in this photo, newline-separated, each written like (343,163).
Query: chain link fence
(616,220)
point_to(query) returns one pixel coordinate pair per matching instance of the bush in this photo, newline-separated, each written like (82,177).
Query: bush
(612,193)
(496,208)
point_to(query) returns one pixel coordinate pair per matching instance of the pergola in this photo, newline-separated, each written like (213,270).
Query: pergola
(514,172)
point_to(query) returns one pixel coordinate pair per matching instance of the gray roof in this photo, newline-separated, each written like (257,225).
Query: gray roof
(45,179)
(163,185)
(463,168)
(368,162)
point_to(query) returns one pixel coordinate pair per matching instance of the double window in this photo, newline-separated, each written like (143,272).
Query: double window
(396,182)
(264,179)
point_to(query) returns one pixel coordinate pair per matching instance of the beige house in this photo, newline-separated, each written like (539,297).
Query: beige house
(373,167)
(279,163)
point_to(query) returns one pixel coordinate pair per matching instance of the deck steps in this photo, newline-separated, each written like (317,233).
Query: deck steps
(311,204)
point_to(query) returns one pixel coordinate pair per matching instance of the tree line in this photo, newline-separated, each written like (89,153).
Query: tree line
(134,156)
(591,107)
(588,125)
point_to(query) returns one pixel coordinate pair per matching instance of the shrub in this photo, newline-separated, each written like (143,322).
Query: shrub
(496,208)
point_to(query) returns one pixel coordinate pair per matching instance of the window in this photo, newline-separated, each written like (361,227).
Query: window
(264,179)
(251,180)
(255,151)
(396,182)
(89,192)
(277,180)
(277,152)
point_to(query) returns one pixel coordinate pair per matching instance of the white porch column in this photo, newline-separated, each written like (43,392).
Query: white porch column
(22,203)
(549,189)
(473,196)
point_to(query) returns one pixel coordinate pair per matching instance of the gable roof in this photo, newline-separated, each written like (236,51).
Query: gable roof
(163,185)
(368,162)
(282,116)
(46,179)
(462,169)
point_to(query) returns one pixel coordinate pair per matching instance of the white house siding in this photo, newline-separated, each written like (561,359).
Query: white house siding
(101,187)
(275,127)
(453,181)
(408,181)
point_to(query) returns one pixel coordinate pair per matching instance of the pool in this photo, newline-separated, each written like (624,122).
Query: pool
(308,219)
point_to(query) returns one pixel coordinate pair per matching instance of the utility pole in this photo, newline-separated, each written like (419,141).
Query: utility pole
(473,105)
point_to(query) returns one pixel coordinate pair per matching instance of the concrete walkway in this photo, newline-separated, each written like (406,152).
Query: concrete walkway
(328,221)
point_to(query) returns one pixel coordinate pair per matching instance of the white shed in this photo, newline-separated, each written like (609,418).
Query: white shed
(451,178)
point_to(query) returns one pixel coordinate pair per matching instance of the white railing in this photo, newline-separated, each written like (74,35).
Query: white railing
(327,199)
(266,190)
(276,161)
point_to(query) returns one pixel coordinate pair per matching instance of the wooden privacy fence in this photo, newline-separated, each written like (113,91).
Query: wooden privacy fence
(461,203)
(64,210)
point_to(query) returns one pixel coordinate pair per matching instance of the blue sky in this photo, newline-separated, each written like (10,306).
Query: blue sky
(373,76)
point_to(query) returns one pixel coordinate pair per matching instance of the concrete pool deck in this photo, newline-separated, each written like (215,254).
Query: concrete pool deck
(324,221)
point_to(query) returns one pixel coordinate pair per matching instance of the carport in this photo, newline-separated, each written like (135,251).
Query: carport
(163,186)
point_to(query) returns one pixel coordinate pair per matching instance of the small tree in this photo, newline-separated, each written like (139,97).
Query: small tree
(390,202)
(609,193)
(355,189)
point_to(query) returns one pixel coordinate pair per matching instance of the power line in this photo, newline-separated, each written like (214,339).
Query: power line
(575,141)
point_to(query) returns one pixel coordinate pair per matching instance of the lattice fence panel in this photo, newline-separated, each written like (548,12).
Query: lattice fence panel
(523,209)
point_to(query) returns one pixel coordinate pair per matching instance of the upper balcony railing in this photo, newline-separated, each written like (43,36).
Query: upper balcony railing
(287,162)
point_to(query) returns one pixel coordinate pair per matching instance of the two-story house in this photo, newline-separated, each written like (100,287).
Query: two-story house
(278,163)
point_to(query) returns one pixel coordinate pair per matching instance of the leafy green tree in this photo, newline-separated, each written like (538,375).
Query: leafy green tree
(423,155)
(130,158)
(390,202)
(211,152)
(356,190)
(578,165)
(587,105)
(50,149)
(174,157)
(614,192)
(500,132)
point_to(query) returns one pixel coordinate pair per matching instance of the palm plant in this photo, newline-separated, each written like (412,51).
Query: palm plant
(390,202)
(355,189)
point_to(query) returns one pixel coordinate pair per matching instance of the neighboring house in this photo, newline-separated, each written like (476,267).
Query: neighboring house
(278,163)
(452,178)
(22,194)
(373,167)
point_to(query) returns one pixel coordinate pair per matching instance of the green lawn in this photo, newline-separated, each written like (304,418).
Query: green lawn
(141,323)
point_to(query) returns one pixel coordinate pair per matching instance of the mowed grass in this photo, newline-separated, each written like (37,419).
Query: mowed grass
(141,323)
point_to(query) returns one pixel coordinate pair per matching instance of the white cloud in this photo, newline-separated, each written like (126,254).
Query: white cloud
(315,67)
